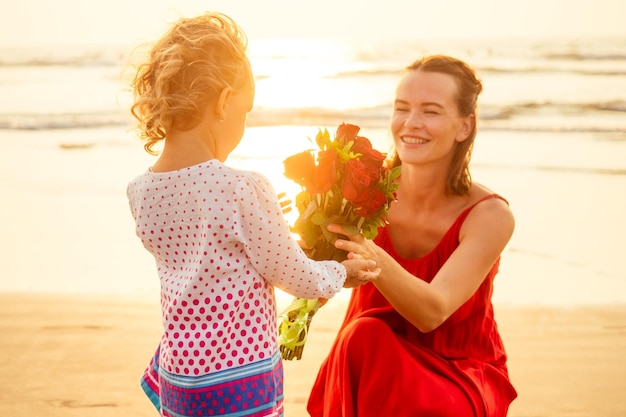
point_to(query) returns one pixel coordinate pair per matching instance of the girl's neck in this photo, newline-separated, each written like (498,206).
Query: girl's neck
(182,150)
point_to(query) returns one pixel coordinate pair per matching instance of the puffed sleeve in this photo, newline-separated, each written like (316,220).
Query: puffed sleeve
(272,249)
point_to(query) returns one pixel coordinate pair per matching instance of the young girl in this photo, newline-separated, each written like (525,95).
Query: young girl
(422,339)
(217,234)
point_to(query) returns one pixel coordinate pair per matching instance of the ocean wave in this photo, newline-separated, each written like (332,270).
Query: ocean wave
(516,68)
(62,121)
(93,56)
(567,107)
(554,168)
(523,69)
(550,116)
(597,58)
(511,118)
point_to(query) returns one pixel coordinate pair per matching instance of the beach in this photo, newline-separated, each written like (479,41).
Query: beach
(79,295)
(71,355)
(79,310)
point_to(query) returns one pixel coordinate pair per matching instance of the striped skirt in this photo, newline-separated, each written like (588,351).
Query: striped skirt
(252,390)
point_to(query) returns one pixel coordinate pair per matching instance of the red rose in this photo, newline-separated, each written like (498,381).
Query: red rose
(368,155)
(375,201)
(360,188)
(346,133)
(356,181)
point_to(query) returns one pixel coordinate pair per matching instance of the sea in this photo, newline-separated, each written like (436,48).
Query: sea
(529,85)
(552,140)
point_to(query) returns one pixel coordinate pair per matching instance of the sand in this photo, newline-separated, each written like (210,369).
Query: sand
(72,355)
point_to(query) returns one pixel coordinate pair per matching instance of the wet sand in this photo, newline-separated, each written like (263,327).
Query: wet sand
(72,355)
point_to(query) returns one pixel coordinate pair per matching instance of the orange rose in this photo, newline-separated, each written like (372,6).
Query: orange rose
(299,168)
(325,173)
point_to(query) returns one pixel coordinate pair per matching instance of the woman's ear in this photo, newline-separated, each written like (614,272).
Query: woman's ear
(466,128)
(221,103)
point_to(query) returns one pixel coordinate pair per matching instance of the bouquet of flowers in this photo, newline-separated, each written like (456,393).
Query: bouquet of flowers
(345,182)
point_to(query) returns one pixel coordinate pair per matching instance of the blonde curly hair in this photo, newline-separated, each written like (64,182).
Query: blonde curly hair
(186,70)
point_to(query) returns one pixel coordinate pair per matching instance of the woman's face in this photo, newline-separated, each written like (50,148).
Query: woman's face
(425,123)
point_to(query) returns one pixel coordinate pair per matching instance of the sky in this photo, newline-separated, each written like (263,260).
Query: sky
(67,22)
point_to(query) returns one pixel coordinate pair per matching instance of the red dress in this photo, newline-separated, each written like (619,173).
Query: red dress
(381,365)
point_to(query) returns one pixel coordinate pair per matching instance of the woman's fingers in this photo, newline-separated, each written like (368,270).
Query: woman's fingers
(349,246)
(352,255)
(337,228)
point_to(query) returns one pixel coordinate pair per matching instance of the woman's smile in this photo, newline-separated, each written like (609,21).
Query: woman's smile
(413,140)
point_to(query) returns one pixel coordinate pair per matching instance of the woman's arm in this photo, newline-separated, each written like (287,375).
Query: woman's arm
(483,236)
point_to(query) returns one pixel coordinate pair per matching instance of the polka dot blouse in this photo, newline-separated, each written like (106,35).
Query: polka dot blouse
(221,245)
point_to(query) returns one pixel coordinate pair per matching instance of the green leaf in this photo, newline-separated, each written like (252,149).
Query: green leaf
(351,229)
(310,234)
(329,237)
(370,231)
(309,210)
(395,172)
(319,219)
(323,139)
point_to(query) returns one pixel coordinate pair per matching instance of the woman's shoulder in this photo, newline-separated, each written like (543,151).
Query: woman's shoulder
(487,207)
(479,194)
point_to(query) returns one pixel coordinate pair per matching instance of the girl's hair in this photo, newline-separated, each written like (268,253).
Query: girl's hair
(468,88)
(187,69)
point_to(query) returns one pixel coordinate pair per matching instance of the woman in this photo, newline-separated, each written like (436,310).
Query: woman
(217,234)
(422,340)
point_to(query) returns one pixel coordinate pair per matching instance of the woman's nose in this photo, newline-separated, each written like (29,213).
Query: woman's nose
(414,119)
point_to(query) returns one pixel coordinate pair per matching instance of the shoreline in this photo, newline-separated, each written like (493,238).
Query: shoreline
(71,354)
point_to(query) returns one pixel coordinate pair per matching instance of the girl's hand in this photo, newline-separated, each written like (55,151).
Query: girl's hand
(359,272)
(285,204)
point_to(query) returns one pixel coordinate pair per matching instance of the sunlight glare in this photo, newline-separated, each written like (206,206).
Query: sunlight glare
(294,72)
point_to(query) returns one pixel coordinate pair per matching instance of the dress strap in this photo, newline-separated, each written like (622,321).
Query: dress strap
(488,197)
(465,212)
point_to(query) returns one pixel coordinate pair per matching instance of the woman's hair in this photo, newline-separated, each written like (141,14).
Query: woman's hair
(186,70)
(468,89)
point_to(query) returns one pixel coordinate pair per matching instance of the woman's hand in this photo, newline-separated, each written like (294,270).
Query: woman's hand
(357,246)
(360,266)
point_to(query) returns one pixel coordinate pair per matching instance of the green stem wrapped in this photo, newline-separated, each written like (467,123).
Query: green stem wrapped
(294,327)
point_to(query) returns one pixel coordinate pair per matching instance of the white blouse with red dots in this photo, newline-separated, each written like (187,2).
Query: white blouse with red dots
(221,244)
